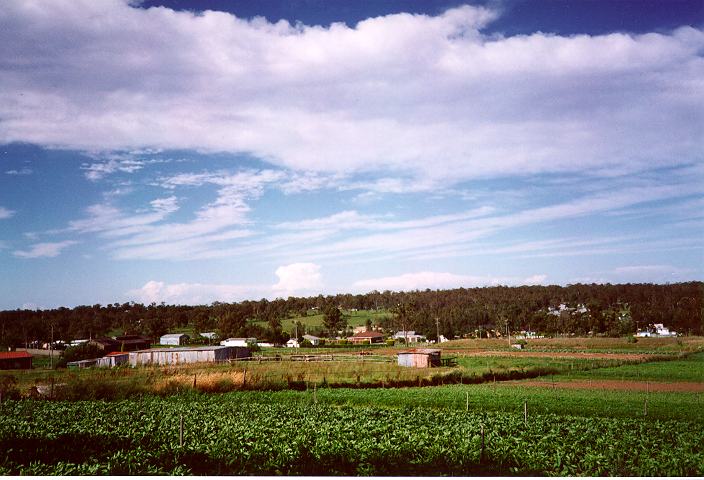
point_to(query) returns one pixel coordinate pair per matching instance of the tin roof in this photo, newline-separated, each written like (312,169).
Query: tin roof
(5,355)
(174,335)
(424,351)
(183,349)
(366,335)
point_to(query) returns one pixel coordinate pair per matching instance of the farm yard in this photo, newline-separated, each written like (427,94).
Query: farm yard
(571,407)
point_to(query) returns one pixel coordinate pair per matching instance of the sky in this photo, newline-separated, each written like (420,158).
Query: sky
(190,152)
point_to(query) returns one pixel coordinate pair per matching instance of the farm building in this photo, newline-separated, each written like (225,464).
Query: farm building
(209,335)
(174,356)
(293,343)
(366,337)
(174,339)
(113,359)
(419,358)
(15,360)
(91,362)
(238,342)
(315,341)
(124,343)
(660,331)
(411,336)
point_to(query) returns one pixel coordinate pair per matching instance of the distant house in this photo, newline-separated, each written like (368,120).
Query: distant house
(410,335)
(181,355)
(315,341)
(15,361)
(660,331)
(174,339)
(238,342)
(366,337)
(419,358)
(209,335)
(113,359)
(293,343)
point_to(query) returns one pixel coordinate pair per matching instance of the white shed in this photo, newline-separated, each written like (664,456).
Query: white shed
(173,339)
(315,341)
(238,342)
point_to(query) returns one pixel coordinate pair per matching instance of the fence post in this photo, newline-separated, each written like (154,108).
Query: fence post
(180,431)
(244,378)
(315,393)
(645,407)
(525,412)
(467,407)
(194,381)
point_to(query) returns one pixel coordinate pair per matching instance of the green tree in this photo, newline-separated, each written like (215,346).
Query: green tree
(332,319)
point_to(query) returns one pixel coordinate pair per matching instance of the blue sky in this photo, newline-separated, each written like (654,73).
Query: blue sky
(166,152)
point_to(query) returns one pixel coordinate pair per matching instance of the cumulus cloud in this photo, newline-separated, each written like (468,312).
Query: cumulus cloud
(47,249)
(298,278)
(194,293)
(440,280)
(430,96)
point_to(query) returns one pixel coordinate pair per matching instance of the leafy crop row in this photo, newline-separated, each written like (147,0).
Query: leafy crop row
(223,436)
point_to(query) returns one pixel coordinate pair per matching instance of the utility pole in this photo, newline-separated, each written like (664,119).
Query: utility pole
(51,348)
(437,329)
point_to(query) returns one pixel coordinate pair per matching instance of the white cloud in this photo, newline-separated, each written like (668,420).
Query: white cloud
(432,98)
(440,280)
(47,249)
(194,293)
(298,278)
(5,213)
(21,171)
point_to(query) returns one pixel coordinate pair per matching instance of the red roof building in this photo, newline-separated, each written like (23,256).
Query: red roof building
(15,361)
(366,337)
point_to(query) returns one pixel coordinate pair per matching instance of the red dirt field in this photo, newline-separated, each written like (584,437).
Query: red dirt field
(625,385)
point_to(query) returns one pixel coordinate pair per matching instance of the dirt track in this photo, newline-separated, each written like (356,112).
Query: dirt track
(605,356)
(627,385)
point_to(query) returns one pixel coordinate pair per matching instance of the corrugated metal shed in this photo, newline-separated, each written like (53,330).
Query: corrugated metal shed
(113,359)
(82,363)
(419,358)
(174,356)
(173,339)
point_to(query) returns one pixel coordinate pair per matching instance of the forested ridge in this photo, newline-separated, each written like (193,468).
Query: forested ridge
(600,309)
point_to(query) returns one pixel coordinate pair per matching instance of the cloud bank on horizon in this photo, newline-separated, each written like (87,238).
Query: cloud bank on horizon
(406,151)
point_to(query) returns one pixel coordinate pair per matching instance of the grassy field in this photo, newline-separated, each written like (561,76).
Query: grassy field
(354,318)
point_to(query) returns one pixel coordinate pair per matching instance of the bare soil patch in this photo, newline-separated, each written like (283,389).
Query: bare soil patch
(622,385)
(583,355)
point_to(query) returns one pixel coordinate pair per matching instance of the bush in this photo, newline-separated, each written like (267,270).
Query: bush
(80,352)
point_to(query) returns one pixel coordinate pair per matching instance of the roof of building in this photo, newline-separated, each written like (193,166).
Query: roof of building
(424,351)
(174,335)
(366,335)
(311,337)
(184,349)
(116,354)
(5,355)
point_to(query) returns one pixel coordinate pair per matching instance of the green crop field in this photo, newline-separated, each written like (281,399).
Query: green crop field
(227,434)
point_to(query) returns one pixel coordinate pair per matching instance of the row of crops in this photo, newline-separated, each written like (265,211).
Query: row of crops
(224,434)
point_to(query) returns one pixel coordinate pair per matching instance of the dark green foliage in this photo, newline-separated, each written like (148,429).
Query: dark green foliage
(80,352)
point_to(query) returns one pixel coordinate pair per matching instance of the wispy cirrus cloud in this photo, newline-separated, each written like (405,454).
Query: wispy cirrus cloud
(21,171)
(6,213)
(44,249)
(441,280)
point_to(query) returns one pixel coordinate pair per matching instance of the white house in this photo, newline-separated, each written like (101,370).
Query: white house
(293,343)
(173,339)
(660,331)
(208,335)
(238,342)
(410,335)
(315,341)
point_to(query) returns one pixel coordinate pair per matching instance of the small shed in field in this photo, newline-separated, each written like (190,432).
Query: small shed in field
(113,359)
(90,362)
(419,358)
(15,361)
(173,339)
(176,356)
(238,342)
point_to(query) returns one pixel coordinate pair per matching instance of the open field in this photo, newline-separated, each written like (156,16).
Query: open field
(235,435)
(581,409)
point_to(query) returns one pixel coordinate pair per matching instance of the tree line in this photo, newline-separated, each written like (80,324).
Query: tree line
(593,308)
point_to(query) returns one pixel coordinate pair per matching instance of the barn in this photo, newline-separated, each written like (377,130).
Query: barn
(15,361)
(419,358)
(176,356)
(113,359)
(366,337)
(174,339)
